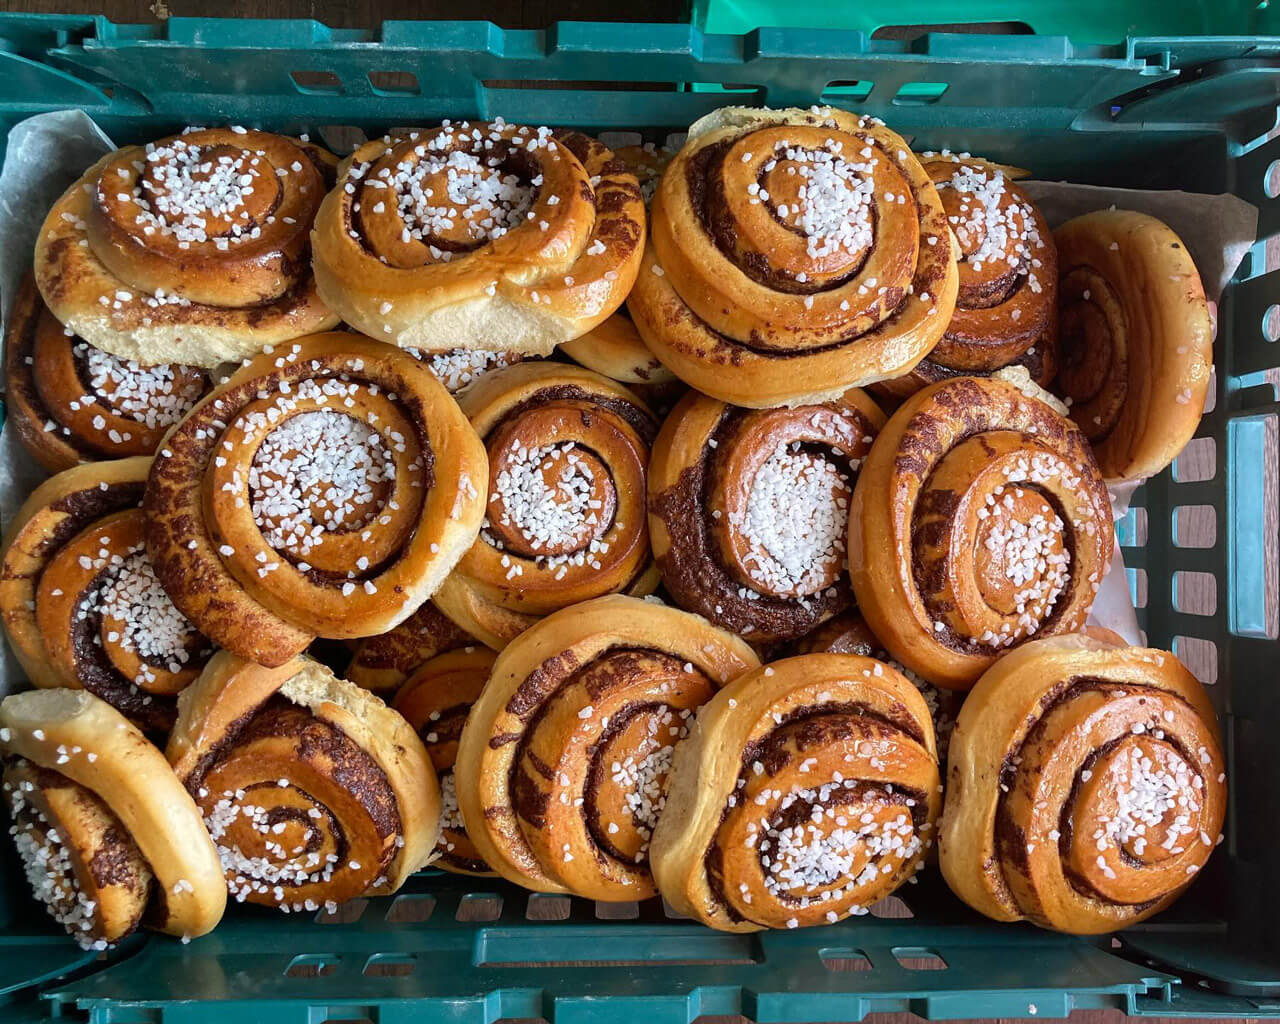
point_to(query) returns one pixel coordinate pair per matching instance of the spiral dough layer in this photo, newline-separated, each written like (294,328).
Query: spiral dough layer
(1007,307)
(979,521)
(806,791)
(313,790)
(1086,787)
(749,510)
(564,519)
(1137,340)
(467,234)
(324,490)
(794,254)
(194,249)
(561,771)
(82,605)
(108,838)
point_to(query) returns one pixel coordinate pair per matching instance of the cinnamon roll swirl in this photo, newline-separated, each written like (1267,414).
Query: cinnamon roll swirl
(1137,340)
(81,602)
(1007,308)
(562,765)
(806,791)
(794,254)
(565,522)
(323,490)
(848,633)
(979,521)
(72,403)
(1086,789)
(452,237)
(108,838)
(749,510)
(314,791)
(194,249)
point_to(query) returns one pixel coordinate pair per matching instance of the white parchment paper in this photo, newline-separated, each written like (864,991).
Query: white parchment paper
(48,152)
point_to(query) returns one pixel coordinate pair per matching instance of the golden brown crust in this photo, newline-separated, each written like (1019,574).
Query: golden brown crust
(615,349)
(186,289)
(381,663)
(436,280)
(979,520)
(848,633)
(1007,306)
(727,510)
(806,791)
(744,302)
(243,730)
(1085,789)
(435,701)
(609,680)
(63,415)
(1137,340)
(264,579)
(568,451)
(74,735)
(80,602)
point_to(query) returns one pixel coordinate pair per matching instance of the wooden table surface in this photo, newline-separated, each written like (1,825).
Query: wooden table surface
(538,14)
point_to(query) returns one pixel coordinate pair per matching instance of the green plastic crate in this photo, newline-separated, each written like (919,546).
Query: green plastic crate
(1149,111)
(1084,21)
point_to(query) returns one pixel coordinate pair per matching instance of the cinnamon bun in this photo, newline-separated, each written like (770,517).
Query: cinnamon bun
(193,249)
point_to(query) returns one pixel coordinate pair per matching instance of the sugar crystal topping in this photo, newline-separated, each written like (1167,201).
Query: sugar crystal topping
(814,858)
(476,191)
(278,869)
(46,862)
(1150,795)
(547,515)
(450,813)
(153,626)
(1034,559)
(642,775)
(796,520)
(460,368)
(315,473)
(196,188)
(835,199)
(1008,234)
(155,396)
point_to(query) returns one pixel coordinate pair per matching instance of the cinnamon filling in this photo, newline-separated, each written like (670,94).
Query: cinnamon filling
(1129,826)
(300,815)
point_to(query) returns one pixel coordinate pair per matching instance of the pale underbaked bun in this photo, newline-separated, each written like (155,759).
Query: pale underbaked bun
(81,603)
(71,402)
(436,700)
(979,521)
(565,506)
(1007,308)
(562,765)
(325,489)
(1137,340)
(806,791)
(107,834)
(1086,786)
(759,295)
(342,771)
(749,510)
(469,236)
(165,253)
